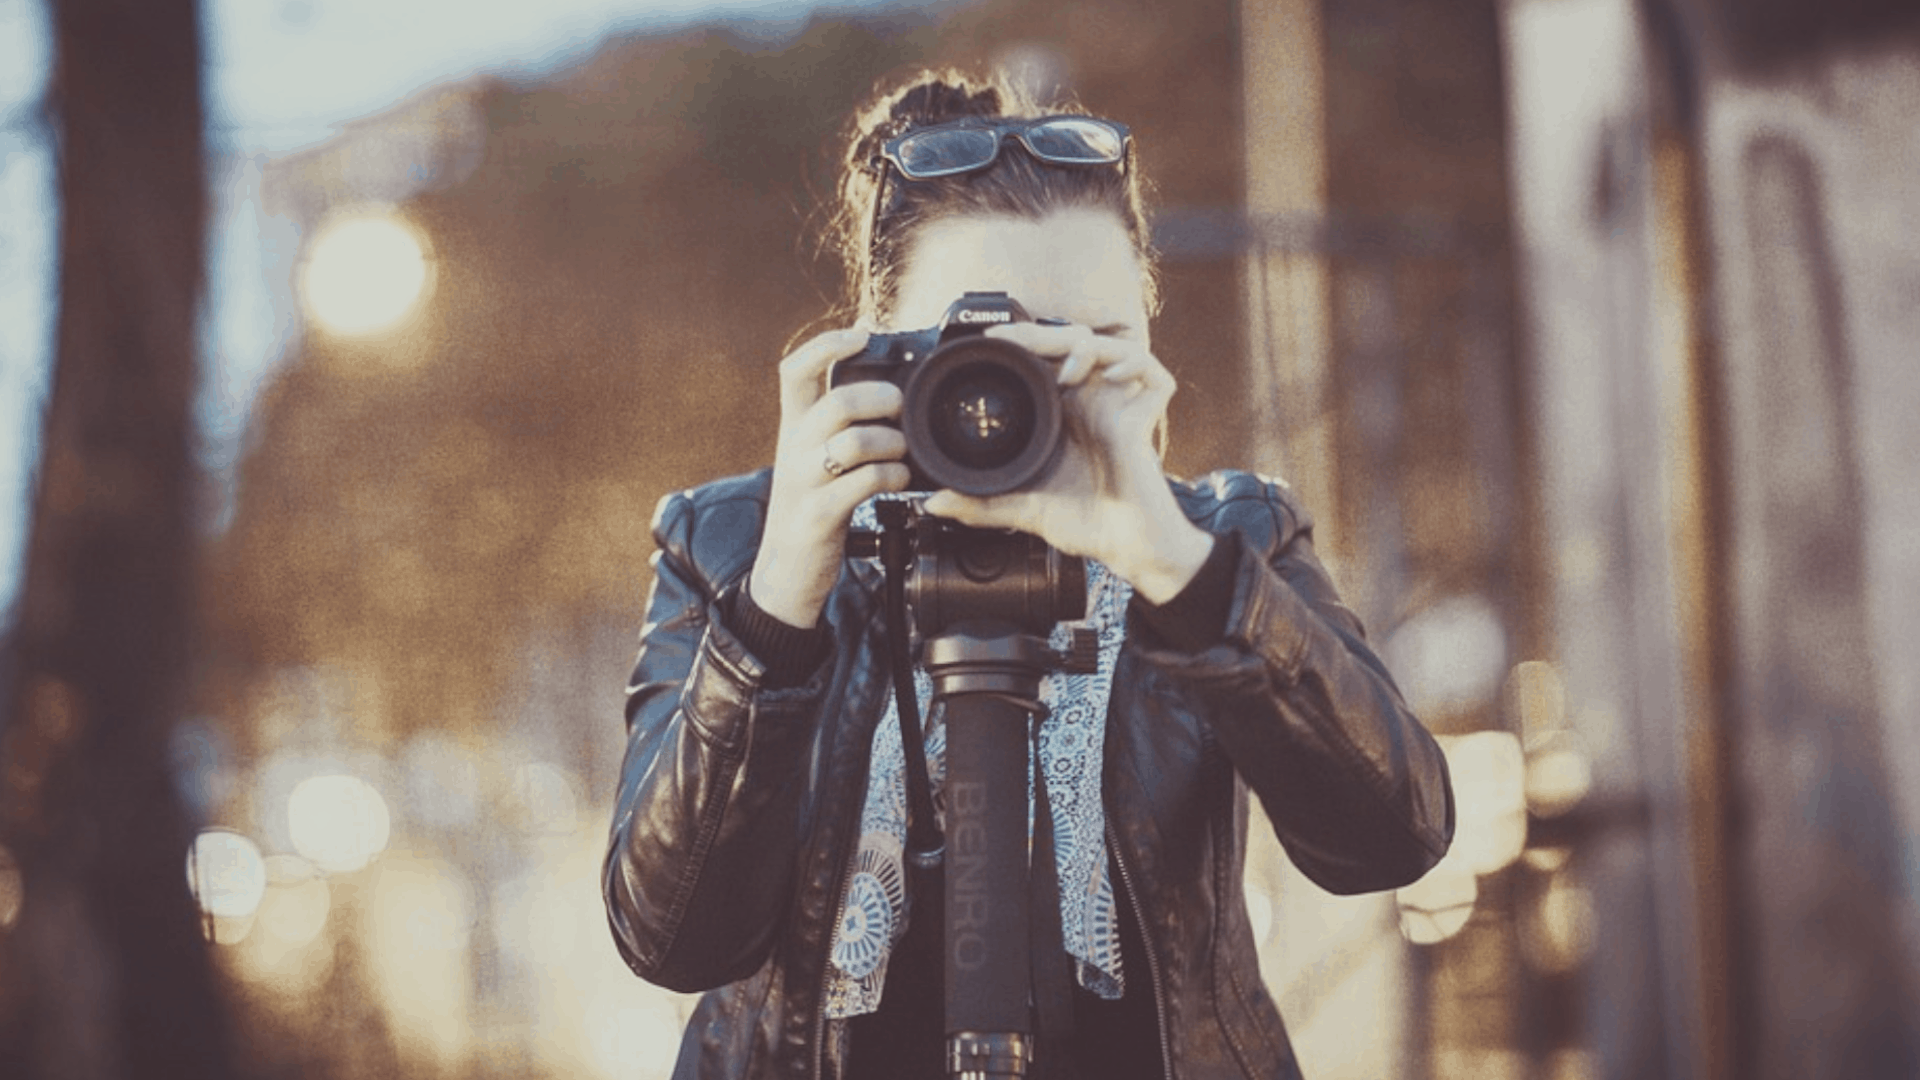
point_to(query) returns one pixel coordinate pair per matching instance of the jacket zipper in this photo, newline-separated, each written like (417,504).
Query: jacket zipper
(1146,940)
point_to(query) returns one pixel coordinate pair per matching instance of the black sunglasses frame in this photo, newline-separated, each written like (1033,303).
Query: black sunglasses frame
(889,155)
(1001,129)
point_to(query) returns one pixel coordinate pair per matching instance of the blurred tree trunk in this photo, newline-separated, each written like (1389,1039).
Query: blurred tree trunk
(106,973)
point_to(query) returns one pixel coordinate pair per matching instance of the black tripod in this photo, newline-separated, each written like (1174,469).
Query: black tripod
(984,601)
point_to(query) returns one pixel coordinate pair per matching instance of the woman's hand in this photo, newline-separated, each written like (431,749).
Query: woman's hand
(827,463)
(1106,498)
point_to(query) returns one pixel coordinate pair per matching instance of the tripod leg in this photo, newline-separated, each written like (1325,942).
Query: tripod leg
(987,948)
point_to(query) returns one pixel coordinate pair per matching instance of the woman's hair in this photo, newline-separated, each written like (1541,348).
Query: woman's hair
(875,250)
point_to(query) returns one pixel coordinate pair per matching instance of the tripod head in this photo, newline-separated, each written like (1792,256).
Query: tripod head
(952,573)
(963,575)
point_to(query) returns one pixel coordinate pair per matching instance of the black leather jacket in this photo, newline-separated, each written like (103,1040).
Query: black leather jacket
(739,806)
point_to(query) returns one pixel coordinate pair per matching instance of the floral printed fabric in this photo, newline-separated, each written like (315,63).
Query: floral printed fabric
(1072,738)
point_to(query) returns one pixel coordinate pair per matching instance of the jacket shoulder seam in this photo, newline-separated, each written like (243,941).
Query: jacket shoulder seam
(682,513)
(1207,500)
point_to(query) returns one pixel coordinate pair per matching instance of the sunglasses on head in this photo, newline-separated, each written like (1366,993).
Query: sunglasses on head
(969,145)
(973,144)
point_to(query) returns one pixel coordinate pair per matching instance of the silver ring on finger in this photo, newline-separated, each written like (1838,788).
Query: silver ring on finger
(831,464)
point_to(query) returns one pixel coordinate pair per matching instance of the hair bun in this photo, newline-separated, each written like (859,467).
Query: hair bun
(932,98)
(936,101)
(874,221)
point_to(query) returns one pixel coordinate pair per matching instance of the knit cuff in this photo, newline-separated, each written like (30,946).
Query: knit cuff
(789,653)
(1195,619)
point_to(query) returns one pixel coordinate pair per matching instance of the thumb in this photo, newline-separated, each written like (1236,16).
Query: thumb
(950,504)
(989,512)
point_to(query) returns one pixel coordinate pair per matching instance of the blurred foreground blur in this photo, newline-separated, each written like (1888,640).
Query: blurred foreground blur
(1586,327)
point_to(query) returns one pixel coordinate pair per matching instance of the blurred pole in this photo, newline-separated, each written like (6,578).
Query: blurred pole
(1696,508)
(1699,594)
(1600,220)
(1287,283)
(106,973)
(1330,949)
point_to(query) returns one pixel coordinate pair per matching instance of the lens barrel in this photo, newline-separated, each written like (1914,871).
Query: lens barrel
(982,416)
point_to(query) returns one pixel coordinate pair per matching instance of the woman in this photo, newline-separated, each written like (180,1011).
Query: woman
(755,851)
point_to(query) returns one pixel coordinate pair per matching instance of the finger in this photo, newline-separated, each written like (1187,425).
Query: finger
(855,446)
(1082,351)
(1009,511)
(1124,366)
(1138,370)
(855,486)
(803,371)
(1109,414)
(1081,360)
(1157,379)
(1051,340)
(854,403)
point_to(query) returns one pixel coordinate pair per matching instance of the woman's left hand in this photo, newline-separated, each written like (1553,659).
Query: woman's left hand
(1106,498)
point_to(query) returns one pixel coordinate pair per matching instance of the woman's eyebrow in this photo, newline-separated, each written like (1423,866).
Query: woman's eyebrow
(1112,328)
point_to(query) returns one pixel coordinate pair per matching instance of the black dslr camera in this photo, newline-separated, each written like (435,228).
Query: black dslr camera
(982,416)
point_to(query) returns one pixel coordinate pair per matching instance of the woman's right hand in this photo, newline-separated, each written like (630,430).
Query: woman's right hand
(808,510)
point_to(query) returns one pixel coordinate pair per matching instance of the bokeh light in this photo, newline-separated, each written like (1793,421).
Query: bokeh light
(288,951)
(604,1022)
(533,916)
(1559,770)
(13,889)
(1557,779)
(226,872)
(545,797)
(296,906)
(1434,908)
(419,921)
(367,271)
(339,822)
(620,1033)
(1538,698)
(1490,833)
(1489,783)
(1450,657)
(442,779)
(1546,859)
(1557,933)
(201,772)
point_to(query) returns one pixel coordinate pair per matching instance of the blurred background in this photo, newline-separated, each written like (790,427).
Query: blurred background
(345,348)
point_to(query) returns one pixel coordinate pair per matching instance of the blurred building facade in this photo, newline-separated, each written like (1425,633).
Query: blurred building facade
(1584,326)
(1691,534)
(1713,220)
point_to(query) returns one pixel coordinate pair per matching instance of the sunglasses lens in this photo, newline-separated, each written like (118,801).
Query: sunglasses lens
(1076,142)
(943,153)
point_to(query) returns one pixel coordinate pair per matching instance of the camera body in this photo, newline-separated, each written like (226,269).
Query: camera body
(982,416)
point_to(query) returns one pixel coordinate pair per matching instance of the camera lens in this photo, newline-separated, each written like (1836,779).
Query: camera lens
(981,416)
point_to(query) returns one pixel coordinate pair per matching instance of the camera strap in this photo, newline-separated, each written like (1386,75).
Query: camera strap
(925,844)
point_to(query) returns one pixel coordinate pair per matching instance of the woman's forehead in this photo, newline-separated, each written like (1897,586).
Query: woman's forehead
(1077,264)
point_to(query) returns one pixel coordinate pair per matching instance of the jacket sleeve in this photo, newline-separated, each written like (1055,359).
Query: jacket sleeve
(709,814)
(1356,788)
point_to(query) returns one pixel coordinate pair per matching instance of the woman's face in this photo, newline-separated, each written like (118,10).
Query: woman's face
(1075,264)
